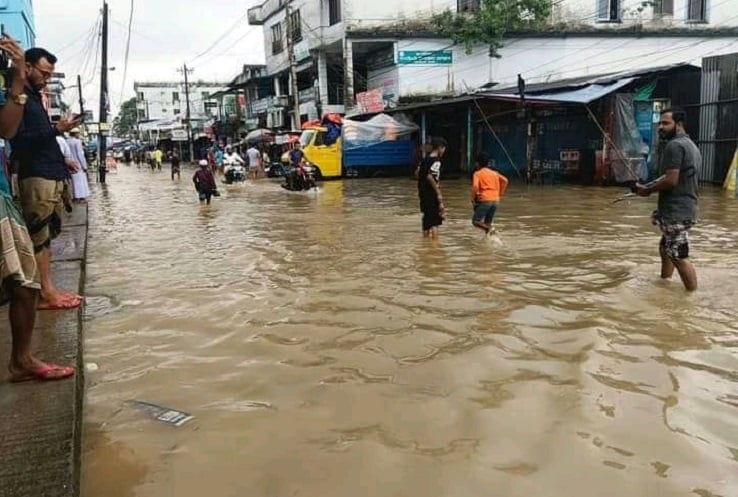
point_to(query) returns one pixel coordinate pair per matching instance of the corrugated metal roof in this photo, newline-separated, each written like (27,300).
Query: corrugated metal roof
(583,95)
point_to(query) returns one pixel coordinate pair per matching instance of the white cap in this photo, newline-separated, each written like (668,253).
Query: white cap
(203,162)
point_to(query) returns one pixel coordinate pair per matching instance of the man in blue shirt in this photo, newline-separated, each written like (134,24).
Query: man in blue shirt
(43,175)
(19,276)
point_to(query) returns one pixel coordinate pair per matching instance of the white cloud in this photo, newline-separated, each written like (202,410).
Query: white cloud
(165,34)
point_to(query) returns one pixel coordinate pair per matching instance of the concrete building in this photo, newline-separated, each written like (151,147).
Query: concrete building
(353,55)
(18,18)
(167,101)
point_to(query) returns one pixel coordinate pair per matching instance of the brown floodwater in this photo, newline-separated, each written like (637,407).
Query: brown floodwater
(327,350)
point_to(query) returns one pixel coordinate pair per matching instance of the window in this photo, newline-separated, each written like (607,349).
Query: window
(608,10)
(295,26)
(176,112)
(467,6)
(141,96)
(334,12)
(663,7)
(205,95)
(175,96)
(141,115)
(696,10)
(277,38)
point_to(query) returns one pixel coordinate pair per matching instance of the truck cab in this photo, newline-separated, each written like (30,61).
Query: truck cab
(325,158)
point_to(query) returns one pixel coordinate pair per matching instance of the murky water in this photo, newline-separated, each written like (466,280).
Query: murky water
(327,350)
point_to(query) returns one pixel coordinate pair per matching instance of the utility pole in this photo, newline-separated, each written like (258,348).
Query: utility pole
(189,116)
(102,145)
(293,66)
(81,101)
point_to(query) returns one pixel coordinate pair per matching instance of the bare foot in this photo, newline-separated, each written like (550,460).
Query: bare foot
(34,369)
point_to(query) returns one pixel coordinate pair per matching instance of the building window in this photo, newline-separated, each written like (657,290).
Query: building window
(176,112)
(467,6)
(608,10)
(141,96)
(277,38)
(663,7)
(141,115)
(334,12)
(296,26)
(696,10)
(175,96)
(205,95)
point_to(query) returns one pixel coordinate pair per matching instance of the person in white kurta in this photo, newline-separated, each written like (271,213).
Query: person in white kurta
(81,189)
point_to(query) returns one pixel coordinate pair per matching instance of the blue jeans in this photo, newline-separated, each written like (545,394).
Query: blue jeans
(484,212)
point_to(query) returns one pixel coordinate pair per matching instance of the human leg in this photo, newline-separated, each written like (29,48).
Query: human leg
(41,203)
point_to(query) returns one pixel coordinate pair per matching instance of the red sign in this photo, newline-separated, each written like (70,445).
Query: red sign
(370,101)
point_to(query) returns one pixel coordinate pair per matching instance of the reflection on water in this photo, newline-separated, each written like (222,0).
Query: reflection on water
(326,349)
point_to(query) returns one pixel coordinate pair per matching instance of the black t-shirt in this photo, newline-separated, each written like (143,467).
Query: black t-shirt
(429,165)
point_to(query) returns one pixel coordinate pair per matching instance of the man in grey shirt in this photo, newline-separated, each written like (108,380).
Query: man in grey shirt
(678,192)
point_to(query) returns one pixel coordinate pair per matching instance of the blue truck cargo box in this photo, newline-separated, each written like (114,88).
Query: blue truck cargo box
(399,153)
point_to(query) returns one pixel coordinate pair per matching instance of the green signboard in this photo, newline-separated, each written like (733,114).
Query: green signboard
(425,57)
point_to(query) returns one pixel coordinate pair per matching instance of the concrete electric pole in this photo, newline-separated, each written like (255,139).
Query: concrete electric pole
(190,143)
(291,30)
(102,145)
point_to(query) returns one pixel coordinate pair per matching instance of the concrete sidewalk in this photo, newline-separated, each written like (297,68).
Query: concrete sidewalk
(41,422)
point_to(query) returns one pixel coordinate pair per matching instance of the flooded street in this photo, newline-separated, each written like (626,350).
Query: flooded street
(327,350)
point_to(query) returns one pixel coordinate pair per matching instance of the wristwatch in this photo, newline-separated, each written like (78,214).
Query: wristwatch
(19,99)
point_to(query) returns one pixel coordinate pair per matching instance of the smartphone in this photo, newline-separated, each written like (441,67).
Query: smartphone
(4,62)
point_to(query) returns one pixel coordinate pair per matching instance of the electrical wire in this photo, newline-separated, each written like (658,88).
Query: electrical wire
(128,48)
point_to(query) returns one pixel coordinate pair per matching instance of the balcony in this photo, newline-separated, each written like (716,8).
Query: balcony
(259,14)
(267,104)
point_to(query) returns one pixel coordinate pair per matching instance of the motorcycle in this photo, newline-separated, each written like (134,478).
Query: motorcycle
(300,179)
(234,173)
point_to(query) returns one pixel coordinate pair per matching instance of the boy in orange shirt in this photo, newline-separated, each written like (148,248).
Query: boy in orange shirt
(488,187)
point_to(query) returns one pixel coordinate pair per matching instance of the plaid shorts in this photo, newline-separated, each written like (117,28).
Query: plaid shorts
(675,238)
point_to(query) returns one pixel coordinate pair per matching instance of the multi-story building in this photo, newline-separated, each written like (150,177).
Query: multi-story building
(17,17)
(346,48)
(167,101)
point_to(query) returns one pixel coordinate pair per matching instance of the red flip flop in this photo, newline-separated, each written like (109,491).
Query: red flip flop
(47,372)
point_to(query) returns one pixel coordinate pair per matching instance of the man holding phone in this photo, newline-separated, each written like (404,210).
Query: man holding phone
(43,174)
(19,275)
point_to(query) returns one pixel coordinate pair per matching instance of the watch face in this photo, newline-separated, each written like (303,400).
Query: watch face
(22,99)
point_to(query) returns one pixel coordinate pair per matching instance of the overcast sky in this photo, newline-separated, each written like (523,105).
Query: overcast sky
(165,34)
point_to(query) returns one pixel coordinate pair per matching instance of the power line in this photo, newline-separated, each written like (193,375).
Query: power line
(219,39)
(128,48)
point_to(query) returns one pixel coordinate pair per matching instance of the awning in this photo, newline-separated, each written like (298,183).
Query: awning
(583,95)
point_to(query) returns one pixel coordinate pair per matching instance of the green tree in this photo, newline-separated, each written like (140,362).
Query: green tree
(124,123)
(491,21)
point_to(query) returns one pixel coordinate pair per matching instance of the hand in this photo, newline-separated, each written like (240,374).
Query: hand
(641,190)
(68,122)
(16,55)
(72,166)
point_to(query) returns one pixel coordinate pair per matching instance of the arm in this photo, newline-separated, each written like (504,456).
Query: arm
(503,184)
(673,158)
(11,114)
(475,189)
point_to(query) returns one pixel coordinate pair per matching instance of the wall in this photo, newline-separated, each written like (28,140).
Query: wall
(546,59)
(363,13)
(17,15)
(719,13)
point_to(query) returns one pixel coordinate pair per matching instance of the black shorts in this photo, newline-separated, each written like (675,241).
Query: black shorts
(431,209)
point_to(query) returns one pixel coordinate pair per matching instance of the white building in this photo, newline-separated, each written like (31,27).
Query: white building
(167,101)
(350,47)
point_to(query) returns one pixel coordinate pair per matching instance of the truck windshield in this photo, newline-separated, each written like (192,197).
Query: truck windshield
(307,137)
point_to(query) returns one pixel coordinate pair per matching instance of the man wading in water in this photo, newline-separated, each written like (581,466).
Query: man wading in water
(677,207)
